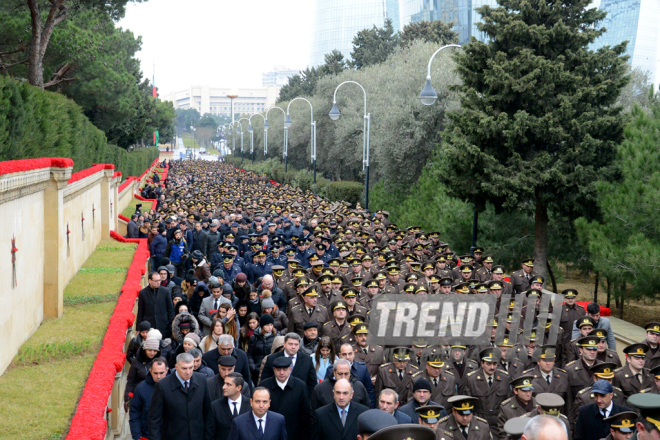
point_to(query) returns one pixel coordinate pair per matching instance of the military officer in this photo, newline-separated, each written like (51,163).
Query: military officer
(521,403)
(429,415)
(633,377)
(570,312)
(490,385)
(622,425)
(300,285)
(652,337)
(648,424)
(373,356)
(603,371)
(485,273)
(515,427)
(352,306)
(443,383)
(521,278)
(463,423)
(306,312)
(459,364)
(397,375)
(498,275)
(327,296)
(372,290)
(548,378)
(509,363)
(604,353)
(338,329)
(585,325)
(550,404)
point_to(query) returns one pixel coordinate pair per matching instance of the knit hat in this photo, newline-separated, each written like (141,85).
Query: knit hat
(151,344)
(154,334)
(265,320)
(192,338)
(422,384)
(241,277)
(267,303)
(144,326)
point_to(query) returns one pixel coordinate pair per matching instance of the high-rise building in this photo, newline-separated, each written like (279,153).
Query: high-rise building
(336,22)
(214,99)
(463,13)
(278,77)
(635,21)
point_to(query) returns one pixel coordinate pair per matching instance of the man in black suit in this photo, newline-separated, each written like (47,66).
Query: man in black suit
(288,396)
(338,420)
(226,409)
(259,424)
(226,348)
(590,424)
(180,404)
(155,305)
(303,368)
(226,366)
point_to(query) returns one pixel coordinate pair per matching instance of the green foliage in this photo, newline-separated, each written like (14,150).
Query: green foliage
(334,63)
(436,31)
(89,299)
(185,118)
(373,46)
(304,84)
(39,354)
(625,244)
(639,91)
(36,123)
(208,121)
(538,124)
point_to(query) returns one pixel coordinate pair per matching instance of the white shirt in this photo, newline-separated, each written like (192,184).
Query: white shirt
(282,384)
(238,404)
(607,410)
(546,375)
(263,421)
(293,359)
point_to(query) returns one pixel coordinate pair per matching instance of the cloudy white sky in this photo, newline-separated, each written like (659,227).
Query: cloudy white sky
(219,42)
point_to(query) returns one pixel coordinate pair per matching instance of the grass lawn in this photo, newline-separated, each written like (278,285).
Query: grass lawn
(130,209)
(40,389)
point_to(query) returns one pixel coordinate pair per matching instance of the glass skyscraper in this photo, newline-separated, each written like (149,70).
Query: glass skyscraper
(460,12)
(337,21)
(638,22)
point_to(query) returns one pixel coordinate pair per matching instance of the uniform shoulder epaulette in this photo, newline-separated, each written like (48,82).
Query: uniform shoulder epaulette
(574,340)
(571,363)
(413,366)
(417,374)
(322,306)
(646,390)
(563,416)
(502,371)
(295,307)
(444,419)
(449,372)
(561,369)
(385,364)
(527,371)
(618,369)
(327,323)
(584,390)
(471,373)
(610,355)
(619,389)
(506,401)
(483,420)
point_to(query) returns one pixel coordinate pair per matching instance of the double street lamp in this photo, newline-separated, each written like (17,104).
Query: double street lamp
(242,131)
(334,115)
(288,122)
(266,127)
(252,132)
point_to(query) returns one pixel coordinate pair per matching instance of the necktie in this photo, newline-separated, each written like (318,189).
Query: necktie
(638,377)
(215,305)
(490,381)
(435,381)
(400,375)
(547,379)
(235,412)
(365,351)
(604,412)
(464,431)
(185,385)
(309,312)
(343,417)
(261,428)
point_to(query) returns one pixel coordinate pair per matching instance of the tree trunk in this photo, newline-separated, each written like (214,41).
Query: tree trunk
(541,238)
(552,277)
(623,295)
(609,287)
(596,288)
(41,37)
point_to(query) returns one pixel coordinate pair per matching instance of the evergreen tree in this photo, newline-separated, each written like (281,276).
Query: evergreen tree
(436,31)
(334,63)
(373,46)
(538,125)
(625,244)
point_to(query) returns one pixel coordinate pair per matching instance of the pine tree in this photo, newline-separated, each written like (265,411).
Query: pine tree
(538,124)
(436,31)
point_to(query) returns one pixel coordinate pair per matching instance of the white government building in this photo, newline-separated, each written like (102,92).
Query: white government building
(214,100)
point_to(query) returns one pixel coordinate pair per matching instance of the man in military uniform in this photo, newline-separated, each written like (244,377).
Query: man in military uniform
(372,355)
(550,404)
(579,374)
(585,325)
(462,423)
(548,378)
(648,424)
(306,312)
(521,278)
(327,296)
(570,312)
(490,385)
(498,275)
(604,371)
(430,415)
(394,280)
(338,330)
(441,267)
(508,361)
(397,375)
(300,284)
(622,425)
(654,389)
(443,383)
(485,273)
(604,353)
(652,338)
(466,272)
(352,306)
(459,364)
(521,403)
(633,377)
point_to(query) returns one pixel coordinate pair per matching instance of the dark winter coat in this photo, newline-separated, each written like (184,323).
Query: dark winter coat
(139,412)
(156,307)
(138,372)
(258,348)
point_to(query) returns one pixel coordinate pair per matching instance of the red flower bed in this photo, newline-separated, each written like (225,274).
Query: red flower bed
(15,166)
(89,171)
(154,202)
(123,217)
(116,174)
(89,422)
(604,311)
(124,184)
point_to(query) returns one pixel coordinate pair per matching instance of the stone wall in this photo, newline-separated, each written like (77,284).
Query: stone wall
(57,219)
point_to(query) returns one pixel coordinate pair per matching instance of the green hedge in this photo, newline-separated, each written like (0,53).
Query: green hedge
(349,191)
(36,123)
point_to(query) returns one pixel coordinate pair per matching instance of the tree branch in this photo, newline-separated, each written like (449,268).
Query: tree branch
(56,14)
(58,78)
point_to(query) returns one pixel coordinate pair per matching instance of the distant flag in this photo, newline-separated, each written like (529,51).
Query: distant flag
(155,95)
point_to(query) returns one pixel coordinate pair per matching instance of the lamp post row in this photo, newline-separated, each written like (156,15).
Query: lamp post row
(428,96)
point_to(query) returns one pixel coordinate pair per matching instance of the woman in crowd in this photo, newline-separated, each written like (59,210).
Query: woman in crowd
(210,341)
(260,344)
(149,350)
(324,357)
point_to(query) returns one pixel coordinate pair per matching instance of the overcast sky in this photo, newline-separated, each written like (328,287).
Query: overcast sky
(219,42)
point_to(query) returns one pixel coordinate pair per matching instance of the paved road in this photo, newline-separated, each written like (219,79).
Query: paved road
(181,150)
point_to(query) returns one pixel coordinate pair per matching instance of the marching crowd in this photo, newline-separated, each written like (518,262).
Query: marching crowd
(255,323)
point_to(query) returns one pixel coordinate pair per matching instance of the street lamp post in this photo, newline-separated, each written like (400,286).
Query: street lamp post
(251,131)
(428,96)
(288,122)
(232,95)
(242,131)
(266,127)
(334,115)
